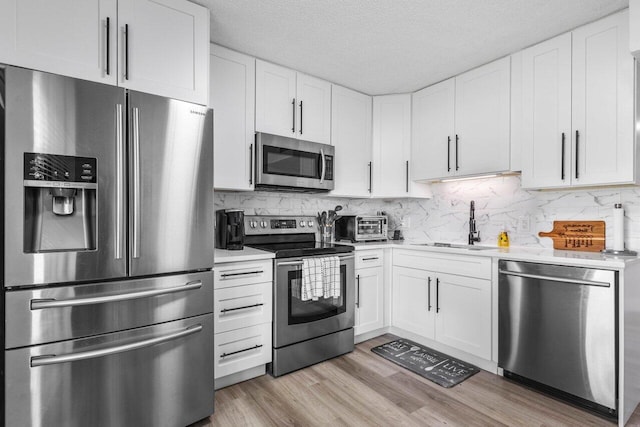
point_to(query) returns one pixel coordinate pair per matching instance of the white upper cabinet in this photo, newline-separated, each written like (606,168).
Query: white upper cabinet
(391,171)
(164,52)
(351,137)
(461,126)
(546,110)
(68,37)
(164,48)
(433,129)
(483,107)
(232,98)
(578,108)
(292,104)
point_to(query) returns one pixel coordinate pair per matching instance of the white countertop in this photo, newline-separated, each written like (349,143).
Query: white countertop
(519,253)
(221,256)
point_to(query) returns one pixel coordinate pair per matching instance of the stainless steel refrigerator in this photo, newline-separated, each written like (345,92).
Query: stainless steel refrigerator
(107,255)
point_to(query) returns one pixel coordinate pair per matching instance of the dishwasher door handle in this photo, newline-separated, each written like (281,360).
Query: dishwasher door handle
(555,278)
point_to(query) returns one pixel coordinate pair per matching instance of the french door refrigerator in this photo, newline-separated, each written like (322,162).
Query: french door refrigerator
(107,254)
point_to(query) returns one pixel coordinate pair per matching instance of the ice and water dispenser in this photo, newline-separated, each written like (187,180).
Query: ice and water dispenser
(60,211)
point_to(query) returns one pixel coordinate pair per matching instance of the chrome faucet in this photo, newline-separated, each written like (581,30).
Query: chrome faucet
(474,235)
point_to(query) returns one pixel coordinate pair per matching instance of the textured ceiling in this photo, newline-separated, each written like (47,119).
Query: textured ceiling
(392,46)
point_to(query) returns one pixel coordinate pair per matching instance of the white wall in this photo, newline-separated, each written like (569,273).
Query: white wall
(499,202)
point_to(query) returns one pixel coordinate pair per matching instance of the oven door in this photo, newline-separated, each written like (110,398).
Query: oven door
(297,320)
(288,162)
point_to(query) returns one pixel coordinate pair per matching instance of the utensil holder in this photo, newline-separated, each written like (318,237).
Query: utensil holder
(326,234)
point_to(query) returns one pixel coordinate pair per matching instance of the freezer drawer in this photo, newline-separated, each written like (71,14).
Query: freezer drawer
(43,315)
(159,375)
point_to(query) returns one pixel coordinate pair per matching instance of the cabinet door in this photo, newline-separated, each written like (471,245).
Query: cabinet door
(463,319)
(275,99)
(233,101)
(432,144)
(351,137)
(546,109)
(369,299)
(314,109)
(164,48)
(67,37)
(483,119)
(603,102)
(413,307)
(391,144)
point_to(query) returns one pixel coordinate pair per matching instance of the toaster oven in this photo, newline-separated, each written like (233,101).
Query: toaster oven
(358,228)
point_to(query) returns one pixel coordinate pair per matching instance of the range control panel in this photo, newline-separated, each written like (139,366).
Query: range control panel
(58,168)
(266,224)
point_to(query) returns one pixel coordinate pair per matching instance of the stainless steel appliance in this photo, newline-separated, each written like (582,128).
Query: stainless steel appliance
(358,228)
(291,164)
(304,332)
(230,229)
(108,289)
(557,331)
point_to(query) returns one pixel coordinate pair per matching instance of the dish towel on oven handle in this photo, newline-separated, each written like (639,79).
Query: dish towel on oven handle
(331,276)
(312,287)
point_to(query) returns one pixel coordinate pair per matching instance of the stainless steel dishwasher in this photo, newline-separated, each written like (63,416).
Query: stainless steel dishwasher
(558,333)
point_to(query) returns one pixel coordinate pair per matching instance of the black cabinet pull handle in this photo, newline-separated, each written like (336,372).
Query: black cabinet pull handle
(437,295)
(126,51)
(429,294)
(370,258)
(358,291)
(448,154)
(370,177)
(577,145)
(244,307)
(293,108)
(562,157)
(108,68)
(300,117)
(407,176)
(223,355)
(243,273)
(250,164)
(457,166)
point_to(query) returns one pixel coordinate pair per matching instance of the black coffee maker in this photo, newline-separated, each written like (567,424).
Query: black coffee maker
(230,229)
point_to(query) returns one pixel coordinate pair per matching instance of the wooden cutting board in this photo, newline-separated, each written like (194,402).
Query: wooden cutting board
(577,235)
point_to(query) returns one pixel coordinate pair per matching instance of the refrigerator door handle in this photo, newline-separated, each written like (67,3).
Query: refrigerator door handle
(136,183)
(45,360)
(40,304)
(120,161)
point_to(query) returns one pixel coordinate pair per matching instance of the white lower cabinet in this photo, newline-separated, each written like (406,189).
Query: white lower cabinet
(243,314)
(369,291)
(445,298)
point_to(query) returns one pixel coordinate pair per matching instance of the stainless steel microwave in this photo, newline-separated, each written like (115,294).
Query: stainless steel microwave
(291,164)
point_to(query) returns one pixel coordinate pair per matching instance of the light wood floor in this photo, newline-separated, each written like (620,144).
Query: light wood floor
(363,389)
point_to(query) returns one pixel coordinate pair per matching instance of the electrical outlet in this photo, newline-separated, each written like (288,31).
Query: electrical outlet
(524,224)
(405,222)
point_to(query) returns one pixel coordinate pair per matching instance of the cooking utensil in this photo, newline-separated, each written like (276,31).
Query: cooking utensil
(430,368)
(413,348)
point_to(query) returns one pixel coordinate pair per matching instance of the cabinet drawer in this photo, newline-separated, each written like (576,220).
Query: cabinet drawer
(242,306)
(242,273)
(462,265)
(371,258)
(242,349)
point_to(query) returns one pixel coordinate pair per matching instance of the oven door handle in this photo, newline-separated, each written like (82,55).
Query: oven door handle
(324,166)
(344,258)
(51,359)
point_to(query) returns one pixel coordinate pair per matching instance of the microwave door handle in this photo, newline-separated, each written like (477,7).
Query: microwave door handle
(324,166)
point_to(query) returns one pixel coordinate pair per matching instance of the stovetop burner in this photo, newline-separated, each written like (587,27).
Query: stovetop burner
(288,236)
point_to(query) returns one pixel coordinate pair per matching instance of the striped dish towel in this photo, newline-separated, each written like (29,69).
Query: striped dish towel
(331,277)
(311,279)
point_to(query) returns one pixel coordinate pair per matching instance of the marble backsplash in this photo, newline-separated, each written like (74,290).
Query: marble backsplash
(500,204)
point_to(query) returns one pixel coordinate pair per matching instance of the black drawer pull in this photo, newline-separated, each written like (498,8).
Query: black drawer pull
(244,307)
(223,355)
(244,273)
(370,259)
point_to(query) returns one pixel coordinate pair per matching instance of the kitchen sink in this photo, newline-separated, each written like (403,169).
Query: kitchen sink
(457,246)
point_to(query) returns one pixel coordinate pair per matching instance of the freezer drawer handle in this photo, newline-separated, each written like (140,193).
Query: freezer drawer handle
(244,307)
(39,304)
(242,273)
(555,279)
(50,359)
(223,355)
